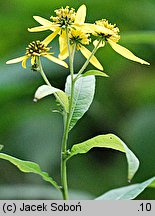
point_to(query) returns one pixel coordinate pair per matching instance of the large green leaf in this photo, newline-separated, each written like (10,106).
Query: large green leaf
(83,96)
(46,90)
(29,167)
(128,192)
(108,141)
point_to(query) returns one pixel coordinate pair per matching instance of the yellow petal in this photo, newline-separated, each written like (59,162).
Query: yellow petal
(45,22)
(85,27)
(126,53)
(56,60)
(48,39)
(64,54)
(16,60)
(33,60)
(62,41)
(39,28)
(93,59)
(42,21)
(95,43)
(102,29)
(81,14)
(24,61)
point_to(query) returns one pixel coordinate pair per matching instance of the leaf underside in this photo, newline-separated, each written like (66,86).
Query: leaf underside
(46,90)
(83,96)
(129,192)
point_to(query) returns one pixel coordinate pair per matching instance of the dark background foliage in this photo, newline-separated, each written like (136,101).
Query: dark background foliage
(124,103)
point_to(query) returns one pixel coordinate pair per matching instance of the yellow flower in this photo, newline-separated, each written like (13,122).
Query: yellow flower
(65,17)
(79,38)
(110,33)
(35,50)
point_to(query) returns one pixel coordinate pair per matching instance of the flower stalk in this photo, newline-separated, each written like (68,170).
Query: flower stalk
(88,60)
(67,120)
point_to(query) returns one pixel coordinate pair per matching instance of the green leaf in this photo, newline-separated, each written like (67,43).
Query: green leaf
(29,167)
(46,90)
(108,141)
(128,192)
(1,147)
(95,73)
(147,37)
(83,96)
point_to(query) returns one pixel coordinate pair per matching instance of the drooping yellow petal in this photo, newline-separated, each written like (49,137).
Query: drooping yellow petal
(126,53)
(63,43)
(93,59)
(16,60)
(81,14)
(56,60)
(48,39)
(24,61)
(95,43)
(64,54)
(33,58)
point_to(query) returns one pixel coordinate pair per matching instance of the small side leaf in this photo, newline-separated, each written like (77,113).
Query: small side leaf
(29,167)
(46,90)
(84,90)
(108,141)
(95,73)
(1,147)
(128,192)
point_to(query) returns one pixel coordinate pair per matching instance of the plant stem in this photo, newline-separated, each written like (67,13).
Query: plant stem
(42,72)
(67,123)
(87,61)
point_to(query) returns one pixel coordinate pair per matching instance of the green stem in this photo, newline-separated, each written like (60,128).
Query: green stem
(42,72)
(67,123)
(87,61)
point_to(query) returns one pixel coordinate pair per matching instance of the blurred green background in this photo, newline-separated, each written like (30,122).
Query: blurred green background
(124,103)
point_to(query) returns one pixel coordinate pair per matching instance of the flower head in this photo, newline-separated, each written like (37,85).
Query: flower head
(80,39)
(64,16)
(110,33)
(35,50)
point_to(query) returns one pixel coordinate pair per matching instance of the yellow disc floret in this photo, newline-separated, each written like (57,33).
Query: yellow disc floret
(79,37)
(64,16)
(112,31)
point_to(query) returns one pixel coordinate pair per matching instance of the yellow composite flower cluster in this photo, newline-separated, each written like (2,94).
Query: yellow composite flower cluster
(73,33)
